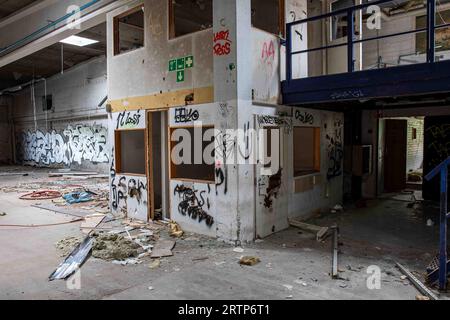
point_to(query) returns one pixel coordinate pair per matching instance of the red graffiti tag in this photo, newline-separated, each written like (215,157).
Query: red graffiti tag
(222,43)
(268,51)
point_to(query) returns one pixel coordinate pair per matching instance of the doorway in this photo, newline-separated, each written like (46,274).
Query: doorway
(158,175)
(401,154)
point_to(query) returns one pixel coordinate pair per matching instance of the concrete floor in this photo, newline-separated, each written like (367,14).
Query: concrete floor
(293,265)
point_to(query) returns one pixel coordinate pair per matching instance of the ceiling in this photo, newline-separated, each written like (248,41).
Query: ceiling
(8,7)
(47,62)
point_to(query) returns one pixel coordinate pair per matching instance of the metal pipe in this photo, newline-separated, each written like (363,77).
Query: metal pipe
(30,37)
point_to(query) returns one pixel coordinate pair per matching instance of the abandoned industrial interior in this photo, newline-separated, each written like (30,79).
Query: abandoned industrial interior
(224,149)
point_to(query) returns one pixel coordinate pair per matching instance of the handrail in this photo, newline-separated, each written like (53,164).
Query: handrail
(350,12)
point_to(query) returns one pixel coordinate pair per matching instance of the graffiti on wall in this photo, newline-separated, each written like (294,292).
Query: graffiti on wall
(183,115)
(335,151)
(222,43)
(439,143)
(192,203)
(304,117)
(129,120)
(273,188)
(71,146)
(285,123)
(118,188)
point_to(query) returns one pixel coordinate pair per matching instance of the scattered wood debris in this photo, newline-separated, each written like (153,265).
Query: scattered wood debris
(321,232)
(163,248)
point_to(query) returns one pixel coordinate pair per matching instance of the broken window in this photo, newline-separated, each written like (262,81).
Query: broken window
(188,16)
(268,15)
(306,151)
(130,151)
(194,164)
(47,102)
(339,22)
(129,30)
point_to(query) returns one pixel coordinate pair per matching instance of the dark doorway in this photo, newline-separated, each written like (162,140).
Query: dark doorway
(437,149)
(395,155)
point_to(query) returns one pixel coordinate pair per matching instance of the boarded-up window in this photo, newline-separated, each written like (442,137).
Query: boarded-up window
(306,150)
(268,15)
(188,16)
(129,30)
(130,151)
(192,169)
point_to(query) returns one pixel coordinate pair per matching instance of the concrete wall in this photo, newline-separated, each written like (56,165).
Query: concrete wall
(6,137)
(146,71)
(74,133)
(230,82)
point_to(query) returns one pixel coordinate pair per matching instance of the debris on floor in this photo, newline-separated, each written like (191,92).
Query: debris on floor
(78,197)
(249,261)
(422,298)
(163,248)
(175,230)
(321,232)
(114,247)
(91,222)
(334,253)
(419,285)
(238,250)
(41,195)
(74,261)
(154,264)
(67,245)
(2,214)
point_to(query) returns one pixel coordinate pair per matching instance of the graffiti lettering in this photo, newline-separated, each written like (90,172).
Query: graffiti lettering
(304,117)
(128,119)
(184,115)
(222,43)
(191,205)
(73,145)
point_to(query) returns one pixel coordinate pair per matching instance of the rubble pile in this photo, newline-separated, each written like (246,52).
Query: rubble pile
(114,247)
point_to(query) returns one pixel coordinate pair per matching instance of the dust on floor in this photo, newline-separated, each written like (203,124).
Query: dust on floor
(292,264)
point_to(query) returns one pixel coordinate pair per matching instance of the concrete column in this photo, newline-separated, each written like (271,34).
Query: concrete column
(233,90)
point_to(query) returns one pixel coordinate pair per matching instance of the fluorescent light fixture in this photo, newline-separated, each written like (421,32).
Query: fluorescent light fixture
(78,41)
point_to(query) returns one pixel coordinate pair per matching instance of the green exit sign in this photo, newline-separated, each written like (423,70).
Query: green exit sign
(180,76)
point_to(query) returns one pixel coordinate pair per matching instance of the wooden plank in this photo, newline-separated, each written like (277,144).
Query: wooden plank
(163,248)
(163,101)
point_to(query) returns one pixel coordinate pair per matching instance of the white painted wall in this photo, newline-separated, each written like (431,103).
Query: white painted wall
(145,71)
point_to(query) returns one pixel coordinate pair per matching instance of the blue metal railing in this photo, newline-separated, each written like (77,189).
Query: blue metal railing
(430,30)
(442,169)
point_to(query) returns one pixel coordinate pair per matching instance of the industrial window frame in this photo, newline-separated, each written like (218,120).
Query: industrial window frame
(116,33)
(172,166)
(316,150)
(118,153)
(172,23)
(281,19)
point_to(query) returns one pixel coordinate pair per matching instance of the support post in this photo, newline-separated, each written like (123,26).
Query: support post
(443,231)
(350,35)
(288,52)
(431,23)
